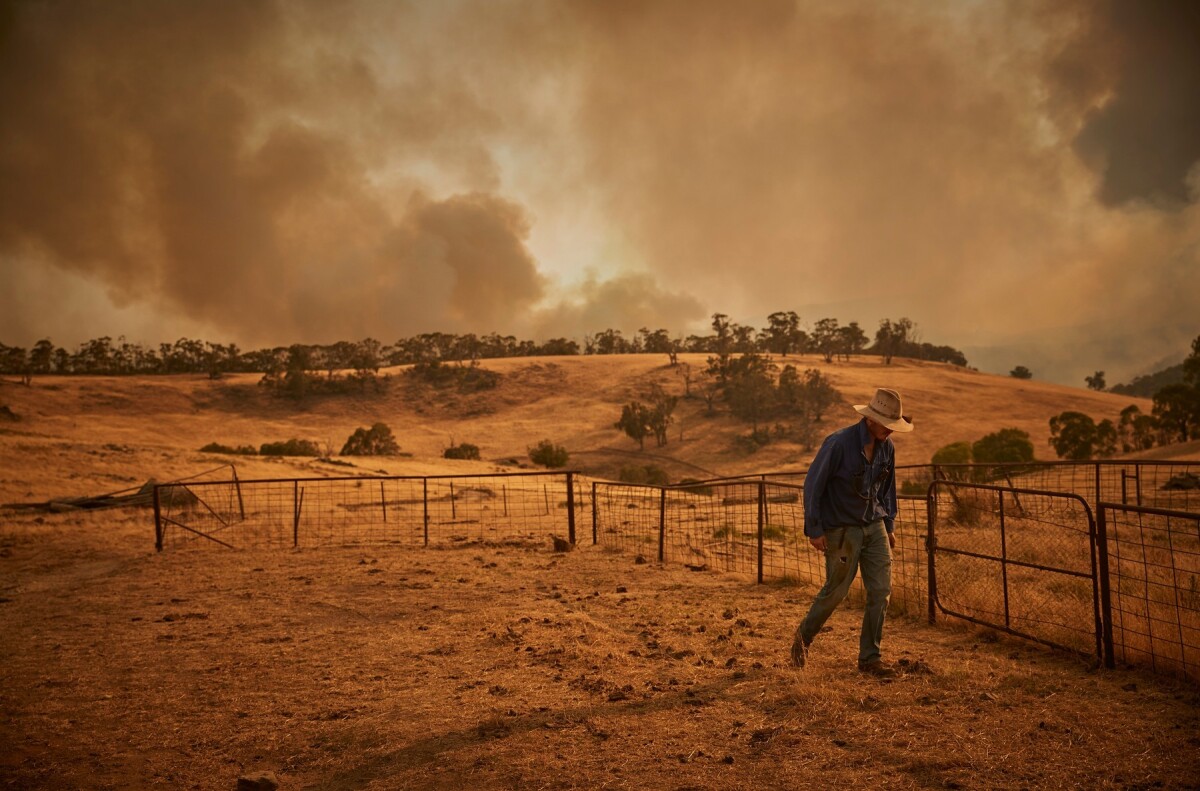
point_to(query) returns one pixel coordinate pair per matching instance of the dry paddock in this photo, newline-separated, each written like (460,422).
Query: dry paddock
(510,666)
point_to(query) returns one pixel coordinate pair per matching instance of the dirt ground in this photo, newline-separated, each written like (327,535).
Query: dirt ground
(510,666)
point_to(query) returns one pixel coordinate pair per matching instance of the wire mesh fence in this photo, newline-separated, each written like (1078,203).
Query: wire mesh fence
(1012,544)
(1157,484)
(748,526)
(1152,587)
(311,512)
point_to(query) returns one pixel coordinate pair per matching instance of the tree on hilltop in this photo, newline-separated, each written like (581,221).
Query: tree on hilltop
(1021,372)
(783,334)
(892,337)
(1077,437)
(1177,409)
(825,338)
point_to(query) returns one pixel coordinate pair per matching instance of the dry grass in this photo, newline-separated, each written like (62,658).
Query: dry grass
(493,665)
(501,666)
(573,401)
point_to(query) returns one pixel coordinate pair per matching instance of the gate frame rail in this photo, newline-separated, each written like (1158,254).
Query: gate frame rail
(1102,623)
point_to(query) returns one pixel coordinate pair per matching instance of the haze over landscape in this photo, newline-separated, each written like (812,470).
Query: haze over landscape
(1020,179)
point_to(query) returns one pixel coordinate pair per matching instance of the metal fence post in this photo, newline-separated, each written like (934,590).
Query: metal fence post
(762,512)
(1004,563)
(662,524)
(238,485)
(425,506)
(297,502)
(158,531)
(1106,626)
(595,517)
(571,507)
(383,502)
(930,545)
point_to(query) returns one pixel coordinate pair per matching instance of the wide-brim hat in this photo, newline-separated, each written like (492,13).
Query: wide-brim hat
(887,410)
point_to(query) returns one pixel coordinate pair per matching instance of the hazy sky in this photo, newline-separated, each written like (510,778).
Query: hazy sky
(1019,178)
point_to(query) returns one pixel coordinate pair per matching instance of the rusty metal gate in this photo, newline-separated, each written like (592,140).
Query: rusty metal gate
(1021,561)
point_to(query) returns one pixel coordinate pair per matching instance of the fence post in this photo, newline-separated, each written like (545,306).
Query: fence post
(158,532)
(297,500)
(453,510)
(1004,564)
(383,502)
(595,517)
(762,512)
(1105,587)
(662,524)
(571,507)
(425,506)
(238,485)
(930,545)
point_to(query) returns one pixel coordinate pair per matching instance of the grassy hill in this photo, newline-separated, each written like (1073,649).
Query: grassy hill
(89,435)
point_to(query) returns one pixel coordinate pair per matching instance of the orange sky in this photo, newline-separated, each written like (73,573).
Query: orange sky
(1018,178)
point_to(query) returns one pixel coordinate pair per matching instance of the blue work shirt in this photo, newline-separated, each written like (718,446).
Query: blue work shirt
(843,489)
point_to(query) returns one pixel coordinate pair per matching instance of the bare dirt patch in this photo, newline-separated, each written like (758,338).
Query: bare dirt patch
(508,665)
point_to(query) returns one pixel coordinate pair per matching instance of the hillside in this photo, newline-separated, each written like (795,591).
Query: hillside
(87,435)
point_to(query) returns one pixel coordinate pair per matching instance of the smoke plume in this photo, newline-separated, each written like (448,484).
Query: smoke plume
(1020,178)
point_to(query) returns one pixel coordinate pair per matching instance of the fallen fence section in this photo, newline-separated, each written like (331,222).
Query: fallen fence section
(1150,581)
(310,512)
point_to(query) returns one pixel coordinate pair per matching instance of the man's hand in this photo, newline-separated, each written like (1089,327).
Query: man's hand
(819,543)
(892,540)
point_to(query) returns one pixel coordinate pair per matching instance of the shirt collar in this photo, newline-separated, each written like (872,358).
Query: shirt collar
(864,436)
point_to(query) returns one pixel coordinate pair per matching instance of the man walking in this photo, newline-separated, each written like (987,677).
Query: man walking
(849,514)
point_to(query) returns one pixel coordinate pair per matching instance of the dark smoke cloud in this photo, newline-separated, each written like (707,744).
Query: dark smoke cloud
(1144,134)
(217,158)
(1009,175)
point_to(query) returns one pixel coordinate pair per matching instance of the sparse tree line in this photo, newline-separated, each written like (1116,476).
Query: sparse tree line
(783,335)
(1175,417)
(752,387)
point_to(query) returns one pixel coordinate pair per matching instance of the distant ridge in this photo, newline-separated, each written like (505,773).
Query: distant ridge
(1146,386)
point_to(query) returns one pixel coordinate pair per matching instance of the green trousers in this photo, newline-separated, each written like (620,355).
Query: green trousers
(847,550)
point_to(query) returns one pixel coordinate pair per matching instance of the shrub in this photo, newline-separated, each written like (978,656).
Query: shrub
(750,443)
(291,447)
(693,486)
(648,474)
(241,450)
(954,453)
(464,450)
(375,441)
(1005,445)
(547,454)
(466,378)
